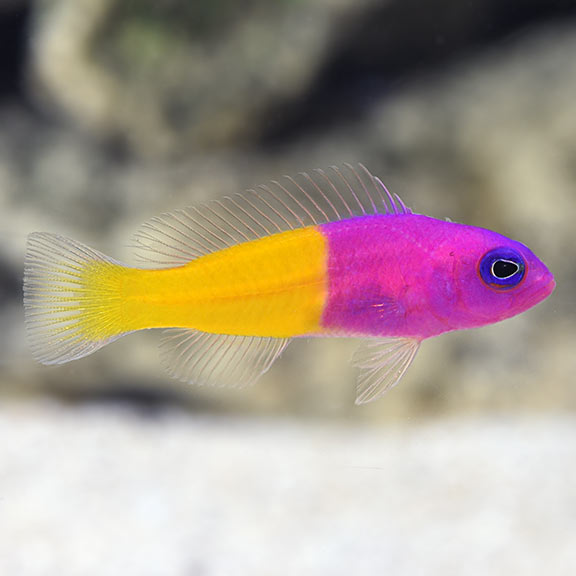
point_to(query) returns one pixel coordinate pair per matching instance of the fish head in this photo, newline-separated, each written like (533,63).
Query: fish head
(494,278)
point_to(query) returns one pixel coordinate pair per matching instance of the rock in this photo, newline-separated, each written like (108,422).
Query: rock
(171,77)
(481,142)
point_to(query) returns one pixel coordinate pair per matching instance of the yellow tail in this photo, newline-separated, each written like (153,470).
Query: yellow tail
(72,298)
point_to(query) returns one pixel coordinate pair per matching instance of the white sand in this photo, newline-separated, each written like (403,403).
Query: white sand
(102,492)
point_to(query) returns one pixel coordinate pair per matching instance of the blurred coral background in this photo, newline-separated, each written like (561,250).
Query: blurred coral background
(112,111)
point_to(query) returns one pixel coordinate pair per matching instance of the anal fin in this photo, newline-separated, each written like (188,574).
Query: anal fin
(218,359)
(382,363)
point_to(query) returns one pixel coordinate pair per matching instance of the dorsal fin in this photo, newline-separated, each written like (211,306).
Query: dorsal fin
(177,237)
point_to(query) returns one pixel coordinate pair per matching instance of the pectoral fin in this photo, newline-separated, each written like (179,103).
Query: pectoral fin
(382,364)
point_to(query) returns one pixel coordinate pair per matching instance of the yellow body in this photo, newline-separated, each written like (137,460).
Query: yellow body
(273,286)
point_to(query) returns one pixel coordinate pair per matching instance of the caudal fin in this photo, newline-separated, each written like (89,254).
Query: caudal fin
(72,298)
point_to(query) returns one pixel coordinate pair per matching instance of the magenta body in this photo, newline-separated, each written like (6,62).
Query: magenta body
(413,276)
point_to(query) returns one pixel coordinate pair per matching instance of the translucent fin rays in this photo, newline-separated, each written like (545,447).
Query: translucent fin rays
(177,237)
(217,359)
(70,298)
(382,363)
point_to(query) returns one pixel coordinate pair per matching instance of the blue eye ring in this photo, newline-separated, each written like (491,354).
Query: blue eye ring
(502,268)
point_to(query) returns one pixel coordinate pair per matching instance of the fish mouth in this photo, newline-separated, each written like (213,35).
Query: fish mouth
(550,287)
(542,291)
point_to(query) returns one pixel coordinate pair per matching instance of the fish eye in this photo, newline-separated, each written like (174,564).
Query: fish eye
(502,268)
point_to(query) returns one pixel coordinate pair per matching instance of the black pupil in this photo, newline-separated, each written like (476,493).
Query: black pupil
(504,268)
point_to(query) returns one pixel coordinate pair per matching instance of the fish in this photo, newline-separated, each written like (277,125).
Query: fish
(328,253)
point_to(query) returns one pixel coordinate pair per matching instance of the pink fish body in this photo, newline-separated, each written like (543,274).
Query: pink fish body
(324,255)
(412,276)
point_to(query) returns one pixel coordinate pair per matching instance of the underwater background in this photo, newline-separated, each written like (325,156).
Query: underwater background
(113,111)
